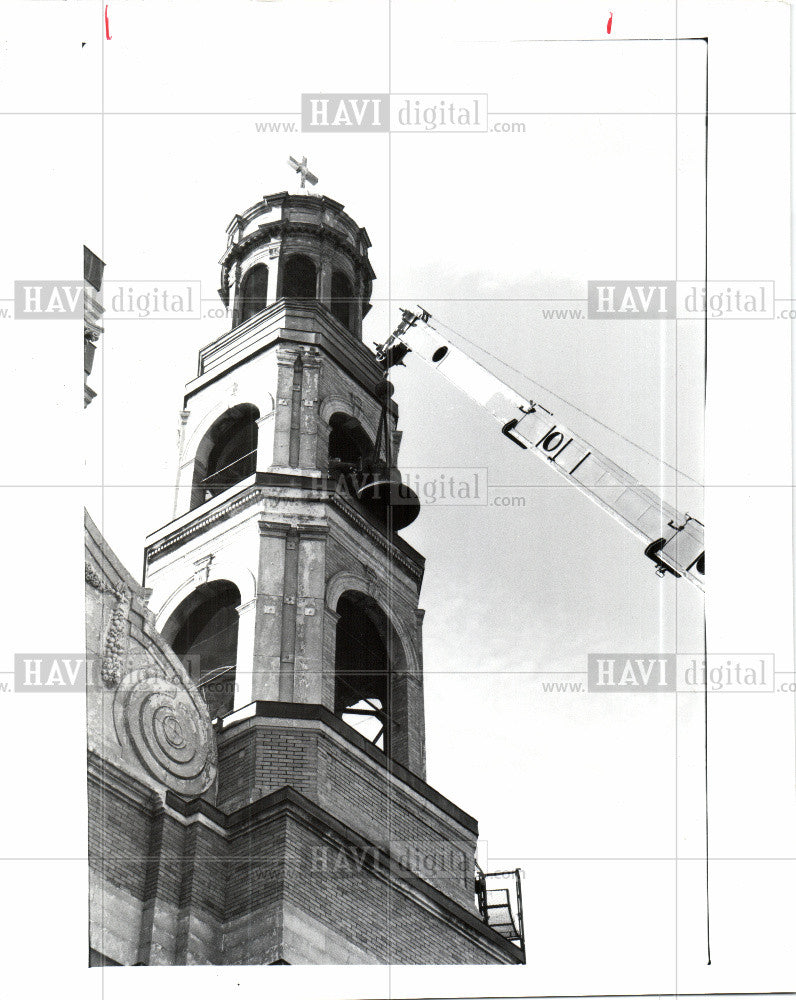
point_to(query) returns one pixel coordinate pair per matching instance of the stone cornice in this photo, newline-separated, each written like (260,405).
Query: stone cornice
(288,322)
(281,228)
(300,201)
(320,489)
(249,496)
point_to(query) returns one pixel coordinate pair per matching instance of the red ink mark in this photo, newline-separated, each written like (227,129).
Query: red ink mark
(610,19)
(107,25)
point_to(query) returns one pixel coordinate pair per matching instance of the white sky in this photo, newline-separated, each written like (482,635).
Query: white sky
(594,796)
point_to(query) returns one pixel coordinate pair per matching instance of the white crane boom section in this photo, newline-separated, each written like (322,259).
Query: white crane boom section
(673,541)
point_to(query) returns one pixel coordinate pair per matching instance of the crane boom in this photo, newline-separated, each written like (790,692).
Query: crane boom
(673,541)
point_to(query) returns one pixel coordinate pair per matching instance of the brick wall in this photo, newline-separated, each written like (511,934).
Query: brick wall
(382,809)
(271,758)
(278,880)
(261,755)
(359,905)
(118,841)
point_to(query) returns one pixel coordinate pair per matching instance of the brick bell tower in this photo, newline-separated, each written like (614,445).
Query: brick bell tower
(284,587)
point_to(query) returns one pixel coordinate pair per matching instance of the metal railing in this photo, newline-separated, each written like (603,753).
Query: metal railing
(499,899)
(213,675)
(229,475)
(207,689)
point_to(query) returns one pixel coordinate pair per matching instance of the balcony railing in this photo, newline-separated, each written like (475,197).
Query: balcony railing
(499,899)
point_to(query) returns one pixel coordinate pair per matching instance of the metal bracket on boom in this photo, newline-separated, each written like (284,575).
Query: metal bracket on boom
(507,428)
(651,552)
(394,350)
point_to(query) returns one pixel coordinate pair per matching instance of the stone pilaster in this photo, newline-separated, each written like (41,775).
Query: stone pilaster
(310,620)
(271,614)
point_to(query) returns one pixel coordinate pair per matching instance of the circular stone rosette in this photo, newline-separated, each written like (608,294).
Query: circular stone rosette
(168,728)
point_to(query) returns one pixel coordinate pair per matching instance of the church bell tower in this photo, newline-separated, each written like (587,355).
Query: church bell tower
(284,586)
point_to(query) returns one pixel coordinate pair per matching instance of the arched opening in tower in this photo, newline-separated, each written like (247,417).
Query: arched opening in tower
(342,304)
(348,442)
(366,650)
(300,279)
(203,632)
(227,454)
(253,292)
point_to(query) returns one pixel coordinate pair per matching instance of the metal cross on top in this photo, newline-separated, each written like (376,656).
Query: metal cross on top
(301,168)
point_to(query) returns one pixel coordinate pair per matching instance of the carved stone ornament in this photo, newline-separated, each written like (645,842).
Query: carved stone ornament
(157,718)
(93,577)
(115,645)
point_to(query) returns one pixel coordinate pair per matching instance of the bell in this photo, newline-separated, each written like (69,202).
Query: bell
(384,494)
